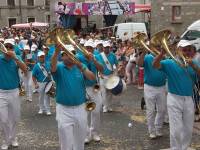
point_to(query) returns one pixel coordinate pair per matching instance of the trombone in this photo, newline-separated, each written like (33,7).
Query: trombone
(3,49)
(162,38)
(56,36)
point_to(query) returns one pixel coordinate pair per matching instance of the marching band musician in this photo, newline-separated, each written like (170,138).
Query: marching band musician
(154,95)
(41,76)
(9,94)
(179,99)
(27,58)
(94,92)
(108,60)
(70,100)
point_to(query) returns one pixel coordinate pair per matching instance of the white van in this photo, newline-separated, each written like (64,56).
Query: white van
(192,34)
(130,28)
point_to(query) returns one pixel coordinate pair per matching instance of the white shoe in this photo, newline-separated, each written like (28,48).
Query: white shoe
(48,113)
(110,109)
(30,100)
(96,138)
(15,143)
(105,110)
(4,146)
(152,136)
(40,112)
(87,140)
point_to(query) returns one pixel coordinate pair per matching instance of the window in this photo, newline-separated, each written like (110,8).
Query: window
(12,21)
(176,13)
(11,2)
(192,35)
(48,18)
(30,2)
(31,19)
(47,2)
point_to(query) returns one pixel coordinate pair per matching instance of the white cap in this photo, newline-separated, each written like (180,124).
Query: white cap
(184,43)
(27,47)
(33,47)
(106,44)
(89,43)
(10,41)
(82,41)
(44,47)
(32,37)
(69,47)
(40,53)
(97,42)
(16,38)
(1,39)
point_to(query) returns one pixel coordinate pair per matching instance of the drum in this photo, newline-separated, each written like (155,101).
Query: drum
(115,84)
(50,89)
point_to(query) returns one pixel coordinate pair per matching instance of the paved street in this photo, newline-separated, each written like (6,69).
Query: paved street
(39,132)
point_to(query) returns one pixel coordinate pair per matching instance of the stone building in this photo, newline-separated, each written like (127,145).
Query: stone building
(174,14)
(22,11)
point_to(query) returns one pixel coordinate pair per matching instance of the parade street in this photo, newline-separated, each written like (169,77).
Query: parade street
(39,132)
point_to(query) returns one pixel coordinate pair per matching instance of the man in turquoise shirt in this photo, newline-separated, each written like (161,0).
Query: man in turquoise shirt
(70,100)
(41,76)
(9,94)
(154,95)
(179,99)
(109,63)
(94,92)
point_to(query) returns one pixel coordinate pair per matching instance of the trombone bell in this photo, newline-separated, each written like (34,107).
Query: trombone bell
(90,105)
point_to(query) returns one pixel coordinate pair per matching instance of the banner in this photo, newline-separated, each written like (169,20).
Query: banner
(102,7)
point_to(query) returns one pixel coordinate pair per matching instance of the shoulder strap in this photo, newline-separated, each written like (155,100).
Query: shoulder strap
(44,71)
(105,59)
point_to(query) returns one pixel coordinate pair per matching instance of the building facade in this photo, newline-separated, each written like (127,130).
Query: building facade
(23,11)
(174,14)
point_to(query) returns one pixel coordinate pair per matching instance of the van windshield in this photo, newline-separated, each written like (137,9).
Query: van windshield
(192,35)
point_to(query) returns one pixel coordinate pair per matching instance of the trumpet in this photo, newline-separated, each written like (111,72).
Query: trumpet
(70,33)
(57,36)
(96,87)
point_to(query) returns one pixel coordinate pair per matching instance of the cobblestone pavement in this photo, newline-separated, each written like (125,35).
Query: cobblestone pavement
(39,132)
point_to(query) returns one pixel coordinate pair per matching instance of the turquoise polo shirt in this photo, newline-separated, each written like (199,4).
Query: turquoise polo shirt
(17,49)
(38,74)
(30,66)
(91,66)
(9,78)
(52,49)
(153,76)
(180,80)
(70,86)
(111,58)
(96,51)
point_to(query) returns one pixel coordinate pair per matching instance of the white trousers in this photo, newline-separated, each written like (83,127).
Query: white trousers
(155,98)
(130,73)
(94,116)
(72,126)
(181,119)
(28,85)
(106,94)
(9,113)
(44,99)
